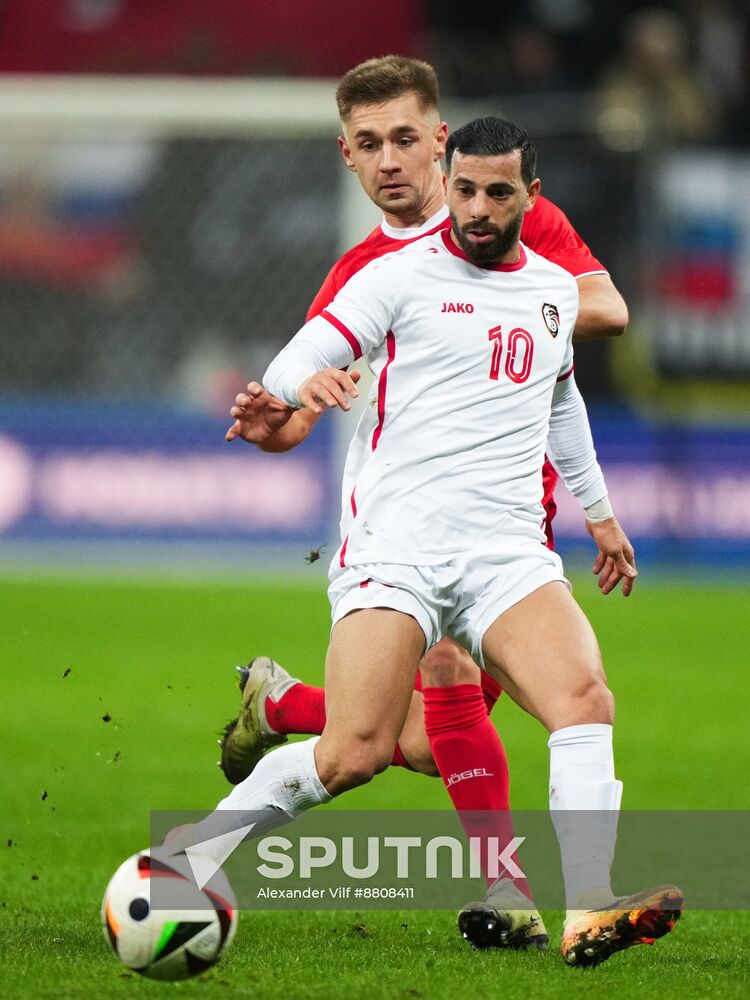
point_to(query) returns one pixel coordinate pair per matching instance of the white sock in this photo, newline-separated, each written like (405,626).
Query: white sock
(285,779)
(585,800)
(284,784)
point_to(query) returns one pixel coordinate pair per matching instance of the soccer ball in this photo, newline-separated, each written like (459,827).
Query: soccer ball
(173,943)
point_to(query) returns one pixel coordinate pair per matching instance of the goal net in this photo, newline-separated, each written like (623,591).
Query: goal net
(163,236)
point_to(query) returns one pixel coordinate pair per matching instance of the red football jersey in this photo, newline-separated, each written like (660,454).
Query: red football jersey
(379,242)
(546,230)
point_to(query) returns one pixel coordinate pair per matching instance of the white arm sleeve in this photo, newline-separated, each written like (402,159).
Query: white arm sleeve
(318,345)
(353,325)
(570,446)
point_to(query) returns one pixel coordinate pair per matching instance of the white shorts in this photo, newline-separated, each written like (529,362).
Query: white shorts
(460,598)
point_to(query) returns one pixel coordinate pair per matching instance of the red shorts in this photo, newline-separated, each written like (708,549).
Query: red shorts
(549,481)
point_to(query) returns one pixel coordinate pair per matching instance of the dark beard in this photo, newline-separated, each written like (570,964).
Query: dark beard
(488,253)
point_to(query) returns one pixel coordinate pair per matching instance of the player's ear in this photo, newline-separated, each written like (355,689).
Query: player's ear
(346,153)
(441,138)
(532,193)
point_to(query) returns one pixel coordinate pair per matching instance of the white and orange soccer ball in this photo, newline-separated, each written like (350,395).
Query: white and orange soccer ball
(173,943)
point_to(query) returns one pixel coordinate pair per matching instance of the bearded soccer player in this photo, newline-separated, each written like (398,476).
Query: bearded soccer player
(394,139)
(444,532)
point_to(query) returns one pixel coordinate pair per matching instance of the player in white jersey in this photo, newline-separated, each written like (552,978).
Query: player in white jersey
(469,337)
(429,319)
(394,138)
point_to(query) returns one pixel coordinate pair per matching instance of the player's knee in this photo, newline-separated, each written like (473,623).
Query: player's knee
(594,701)
(413,742)
(607,704)
(381,757)
(416,751)
(360,760)
(446,664)
(426,765)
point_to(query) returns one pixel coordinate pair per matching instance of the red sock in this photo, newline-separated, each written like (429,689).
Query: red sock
(399,760)
(301,709)
(491,691)
(471,760)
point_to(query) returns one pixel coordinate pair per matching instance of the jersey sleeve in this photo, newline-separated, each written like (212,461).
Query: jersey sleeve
(570,447)
(327,292)
(351,262)
(566,321)
(364,309)
(352,325)
(567,367)
(548,231)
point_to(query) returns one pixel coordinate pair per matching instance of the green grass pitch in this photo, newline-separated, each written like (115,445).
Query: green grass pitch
(132,726)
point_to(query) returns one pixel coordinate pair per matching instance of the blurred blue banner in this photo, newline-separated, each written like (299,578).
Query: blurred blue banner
(85,471)
(681,493)
(129,472)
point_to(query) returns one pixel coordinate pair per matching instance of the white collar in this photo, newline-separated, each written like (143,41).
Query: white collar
(409,234)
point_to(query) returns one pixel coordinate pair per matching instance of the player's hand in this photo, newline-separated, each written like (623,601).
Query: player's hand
(329,388)
(257,415)
(616,559)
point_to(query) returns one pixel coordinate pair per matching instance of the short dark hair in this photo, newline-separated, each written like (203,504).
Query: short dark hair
(382,79)
(493,136)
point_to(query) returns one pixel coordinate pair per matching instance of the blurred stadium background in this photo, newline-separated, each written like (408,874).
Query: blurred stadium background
(171,197)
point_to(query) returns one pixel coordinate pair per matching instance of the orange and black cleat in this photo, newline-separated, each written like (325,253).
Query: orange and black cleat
(591,936)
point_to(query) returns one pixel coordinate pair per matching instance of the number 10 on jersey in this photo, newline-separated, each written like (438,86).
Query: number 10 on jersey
(518,357)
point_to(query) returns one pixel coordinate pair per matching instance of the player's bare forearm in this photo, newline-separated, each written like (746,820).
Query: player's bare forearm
(616,559)
(267,422)
(299,425)
(602,311)
(294,432)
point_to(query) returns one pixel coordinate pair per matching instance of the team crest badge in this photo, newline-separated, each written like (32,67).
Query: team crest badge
(551,318)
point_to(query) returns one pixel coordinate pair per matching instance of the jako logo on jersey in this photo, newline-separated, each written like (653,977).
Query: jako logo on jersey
(476,772)
(551,318)
(459,307)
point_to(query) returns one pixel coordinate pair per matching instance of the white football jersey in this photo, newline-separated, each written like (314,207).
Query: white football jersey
(465,359)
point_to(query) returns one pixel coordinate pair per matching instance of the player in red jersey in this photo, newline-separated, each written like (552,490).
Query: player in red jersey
(394,140)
